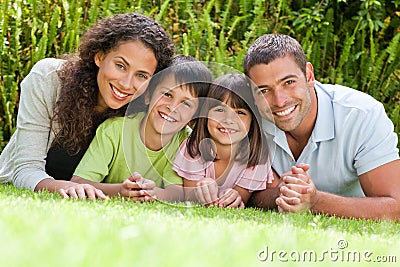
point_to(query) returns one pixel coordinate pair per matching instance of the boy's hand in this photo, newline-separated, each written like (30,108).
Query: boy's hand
(230,198)
(82,191)
(138,188)
(207,192)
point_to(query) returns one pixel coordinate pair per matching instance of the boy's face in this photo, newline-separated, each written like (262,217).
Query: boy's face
(171,108)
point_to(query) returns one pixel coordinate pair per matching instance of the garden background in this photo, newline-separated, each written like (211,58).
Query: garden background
(354,43)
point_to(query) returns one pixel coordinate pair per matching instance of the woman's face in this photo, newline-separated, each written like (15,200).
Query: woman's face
(123,74)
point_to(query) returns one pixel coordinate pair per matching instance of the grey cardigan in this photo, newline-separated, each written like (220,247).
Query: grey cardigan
(22,161)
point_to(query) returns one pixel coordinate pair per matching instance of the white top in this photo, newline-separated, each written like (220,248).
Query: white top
(22,161)
(352,135)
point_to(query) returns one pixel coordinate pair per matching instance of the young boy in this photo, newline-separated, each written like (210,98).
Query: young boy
(133,155)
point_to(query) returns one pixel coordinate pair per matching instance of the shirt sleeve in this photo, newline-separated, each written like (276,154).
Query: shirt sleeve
(27,157)
(94,165)
(256,178)
(378,141)
(187,167)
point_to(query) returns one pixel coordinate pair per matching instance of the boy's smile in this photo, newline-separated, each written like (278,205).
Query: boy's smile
(171,108)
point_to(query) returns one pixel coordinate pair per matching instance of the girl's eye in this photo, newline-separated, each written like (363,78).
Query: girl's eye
(241,112)
(167,94)
(219,110)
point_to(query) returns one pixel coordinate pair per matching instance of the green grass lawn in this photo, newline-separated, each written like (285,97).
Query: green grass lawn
(41,229)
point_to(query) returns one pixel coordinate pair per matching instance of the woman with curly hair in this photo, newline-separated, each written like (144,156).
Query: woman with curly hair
(63,101)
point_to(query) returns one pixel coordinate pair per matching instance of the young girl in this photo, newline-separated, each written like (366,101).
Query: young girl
(226,156)
(132,156)
(63,101)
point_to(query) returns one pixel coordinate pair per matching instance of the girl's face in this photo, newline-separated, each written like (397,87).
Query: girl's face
(171,108)
(227,125)
(123,74)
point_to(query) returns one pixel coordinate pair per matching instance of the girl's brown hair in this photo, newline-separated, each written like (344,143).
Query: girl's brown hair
(236,89)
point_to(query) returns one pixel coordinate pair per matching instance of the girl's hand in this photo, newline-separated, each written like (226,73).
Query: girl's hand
(138,188)
(230,198)
(81,191)
(207,192)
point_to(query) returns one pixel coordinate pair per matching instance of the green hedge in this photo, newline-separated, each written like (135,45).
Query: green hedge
(354,44)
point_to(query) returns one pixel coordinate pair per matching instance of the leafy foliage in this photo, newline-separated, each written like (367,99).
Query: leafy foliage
(354,43)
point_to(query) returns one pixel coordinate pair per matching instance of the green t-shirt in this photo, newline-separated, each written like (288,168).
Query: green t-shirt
(117,151)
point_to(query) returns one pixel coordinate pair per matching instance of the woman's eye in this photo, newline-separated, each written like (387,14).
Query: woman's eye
(241,112)
(121,66)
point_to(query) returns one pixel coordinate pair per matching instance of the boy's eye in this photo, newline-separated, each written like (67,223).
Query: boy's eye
(187,104)
(143,76)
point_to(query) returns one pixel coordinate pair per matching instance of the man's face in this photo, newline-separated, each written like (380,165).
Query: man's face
(283,94)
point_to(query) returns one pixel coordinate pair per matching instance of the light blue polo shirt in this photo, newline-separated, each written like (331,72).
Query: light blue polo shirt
(352,135)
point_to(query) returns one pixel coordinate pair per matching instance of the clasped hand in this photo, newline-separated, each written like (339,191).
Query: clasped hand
(138,188)
(298,192)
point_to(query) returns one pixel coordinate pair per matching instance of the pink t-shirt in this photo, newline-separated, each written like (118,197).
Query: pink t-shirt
(195,169)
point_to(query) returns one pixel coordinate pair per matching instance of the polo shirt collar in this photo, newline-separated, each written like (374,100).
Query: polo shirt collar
(324,128)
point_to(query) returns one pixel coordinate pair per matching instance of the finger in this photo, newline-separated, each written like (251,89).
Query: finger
(304,166)
(289,192)
(148,184)
(81,192)
(199,195)
(285,207)
(291,200)
(296,179)
(206,194)
(301,189)
(241,205)
(236,202)
(90,193)
(227,199)
(227,194)
(100,194)
(63,193)
(72,193)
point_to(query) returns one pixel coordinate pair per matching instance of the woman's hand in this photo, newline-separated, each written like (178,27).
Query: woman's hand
(81,191)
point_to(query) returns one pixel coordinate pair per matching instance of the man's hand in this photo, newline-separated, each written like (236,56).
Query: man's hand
(298,192)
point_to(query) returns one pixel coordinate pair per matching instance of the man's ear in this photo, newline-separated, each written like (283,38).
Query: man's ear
(310,75)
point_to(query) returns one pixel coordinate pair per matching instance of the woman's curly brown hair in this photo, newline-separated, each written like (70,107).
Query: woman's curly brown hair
(75,109)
